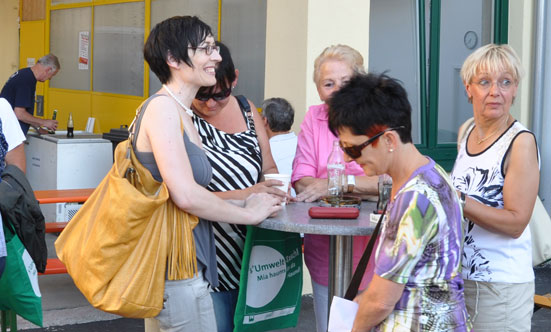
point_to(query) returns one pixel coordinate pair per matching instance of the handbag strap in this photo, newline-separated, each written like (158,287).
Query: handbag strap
(352,290)
(248,116)
(133,132)
(463,130)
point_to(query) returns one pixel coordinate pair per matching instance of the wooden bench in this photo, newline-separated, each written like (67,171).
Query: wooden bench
(62,195)
(54,265)
(55,227)
(542,301)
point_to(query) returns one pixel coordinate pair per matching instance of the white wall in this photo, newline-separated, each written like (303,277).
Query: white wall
(394,43)
(297,31)
(244,32)
(521,37)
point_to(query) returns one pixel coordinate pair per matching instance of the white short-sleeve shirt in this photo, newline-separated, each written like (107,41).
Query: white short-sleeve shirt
(10,125)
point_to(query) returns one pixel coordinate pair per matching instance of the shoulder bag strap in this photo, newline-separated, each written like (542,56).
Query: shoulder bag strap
(463,130)
(133,132)
(245,106)
(352,290)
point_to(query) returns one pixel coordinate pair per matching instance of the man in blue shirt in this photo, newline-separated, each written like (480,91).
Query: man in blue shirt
(20,88)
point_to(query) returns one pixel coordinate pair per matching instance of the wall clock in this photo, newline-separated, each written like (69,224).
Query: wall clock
(470,39)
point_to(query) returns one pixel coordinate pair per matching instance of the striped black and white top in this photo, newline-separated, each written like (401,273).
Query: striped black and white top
(236,162)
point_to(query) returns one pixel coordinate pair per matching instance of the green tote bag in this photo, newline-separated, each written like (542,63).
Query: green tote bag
(19,282)
(270,288)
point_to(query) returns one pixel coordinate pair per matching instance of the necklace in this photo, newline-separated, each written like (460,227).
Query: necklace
(492,133)
(187,109)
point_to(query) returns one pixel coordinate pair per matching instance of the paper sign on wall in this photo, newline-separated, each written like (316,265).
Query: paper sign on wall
(83,48)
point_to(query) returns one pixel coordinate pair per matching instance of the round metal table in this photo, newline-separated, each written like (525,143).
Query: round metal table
(294,218)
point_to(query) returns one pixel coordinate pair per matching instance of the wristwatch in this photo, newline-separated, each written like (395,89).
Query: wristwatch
(351,183)
(462,199)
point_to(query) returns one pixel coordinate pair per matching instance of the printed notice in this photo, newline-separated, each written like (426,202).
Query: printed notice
(83,48)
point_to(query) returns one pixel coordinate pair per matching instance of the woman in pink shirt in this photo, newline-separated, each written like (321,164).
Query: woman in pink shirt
(332,69)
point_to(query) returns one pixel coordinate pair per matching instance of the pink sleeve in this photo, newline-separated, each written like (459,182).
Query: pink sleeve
(305,162)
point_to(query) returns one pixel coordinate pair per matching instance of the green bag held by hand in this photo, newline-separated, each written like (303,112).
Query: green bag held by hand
(19,282)
(270,288)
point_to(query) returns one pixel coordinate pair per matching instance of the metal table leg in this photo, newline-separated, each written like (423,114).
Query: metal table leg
(340,266)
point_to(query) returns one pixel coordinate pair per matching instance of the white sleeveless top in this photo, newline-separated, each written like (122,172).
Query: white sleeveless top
(488,256)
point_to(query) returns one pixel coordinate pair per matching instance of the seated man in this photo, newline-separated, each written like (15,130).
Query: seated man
(279,116)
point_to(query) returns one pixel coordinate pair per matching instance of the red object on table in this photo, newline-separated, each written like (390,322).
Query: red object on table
(326,212)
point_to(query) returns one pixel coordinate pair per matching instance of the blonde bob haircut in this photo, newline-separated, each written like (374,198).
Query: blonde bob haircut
(492,58)
(342,53)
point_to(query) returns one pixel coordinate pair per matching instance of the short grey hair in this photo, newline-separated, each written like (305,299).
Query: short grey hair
(492,58)
(50,60)
(279,113)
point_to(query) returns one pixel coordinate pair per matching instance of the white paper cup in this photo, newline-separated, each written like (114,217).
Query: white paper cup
(285,178)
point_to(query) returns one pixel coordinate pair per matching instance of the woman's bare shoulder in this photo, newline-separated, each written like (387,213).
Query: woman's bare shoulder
(162,108)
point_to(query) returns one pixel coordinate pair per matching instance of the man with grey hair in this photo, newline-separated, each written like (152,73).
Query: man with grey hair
(279,116)
(20,89)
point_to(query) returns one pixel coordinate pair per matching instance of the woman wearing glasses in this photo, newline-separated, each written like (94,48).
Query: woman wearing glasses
(237,147)
(182,53)
(497,175)
(332,69)
(417,284)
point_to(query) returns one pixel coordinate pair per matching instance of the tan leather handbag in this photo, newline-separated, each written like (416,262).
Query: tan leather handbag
(117,246)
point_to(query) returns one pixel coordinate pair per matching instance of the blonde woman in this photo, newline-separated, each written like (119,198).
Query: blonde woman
(497,175)
(333,68)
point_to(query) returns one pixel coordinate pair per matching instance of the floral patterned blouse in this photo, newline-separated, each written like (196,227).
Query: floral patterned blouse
(420,246)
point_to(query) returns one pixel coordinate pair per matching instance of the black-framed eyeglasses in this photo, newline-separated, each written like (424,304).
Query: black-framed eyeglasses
(205,96)
(208,49)
(355,151)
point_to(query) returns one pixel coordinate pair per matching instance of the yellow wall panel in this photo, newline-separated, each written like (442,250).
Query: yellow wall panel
(9,52)
(67,101)
(32,45)
(112,111)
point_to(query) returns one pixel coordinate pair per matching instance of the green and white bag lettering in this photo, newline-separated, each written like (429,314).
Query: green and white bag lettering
(19,289)
(270,289)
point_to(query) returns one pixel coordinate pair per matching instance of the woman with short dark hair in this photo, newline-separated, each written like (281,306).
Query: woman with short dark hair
(417,284)
(182,53)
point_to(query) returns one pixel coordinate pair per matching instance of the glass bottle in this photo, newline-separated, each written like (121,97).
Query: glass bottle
(70,126)
(335,171)
(54,116)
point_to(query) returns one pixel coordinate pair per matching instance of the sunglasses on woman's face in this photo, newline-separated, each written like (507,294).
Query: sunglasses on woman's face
(355,151)
(216,96)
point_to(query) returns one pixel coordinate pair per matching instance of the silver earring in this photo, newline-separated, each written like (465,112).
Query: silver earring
(391,150)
